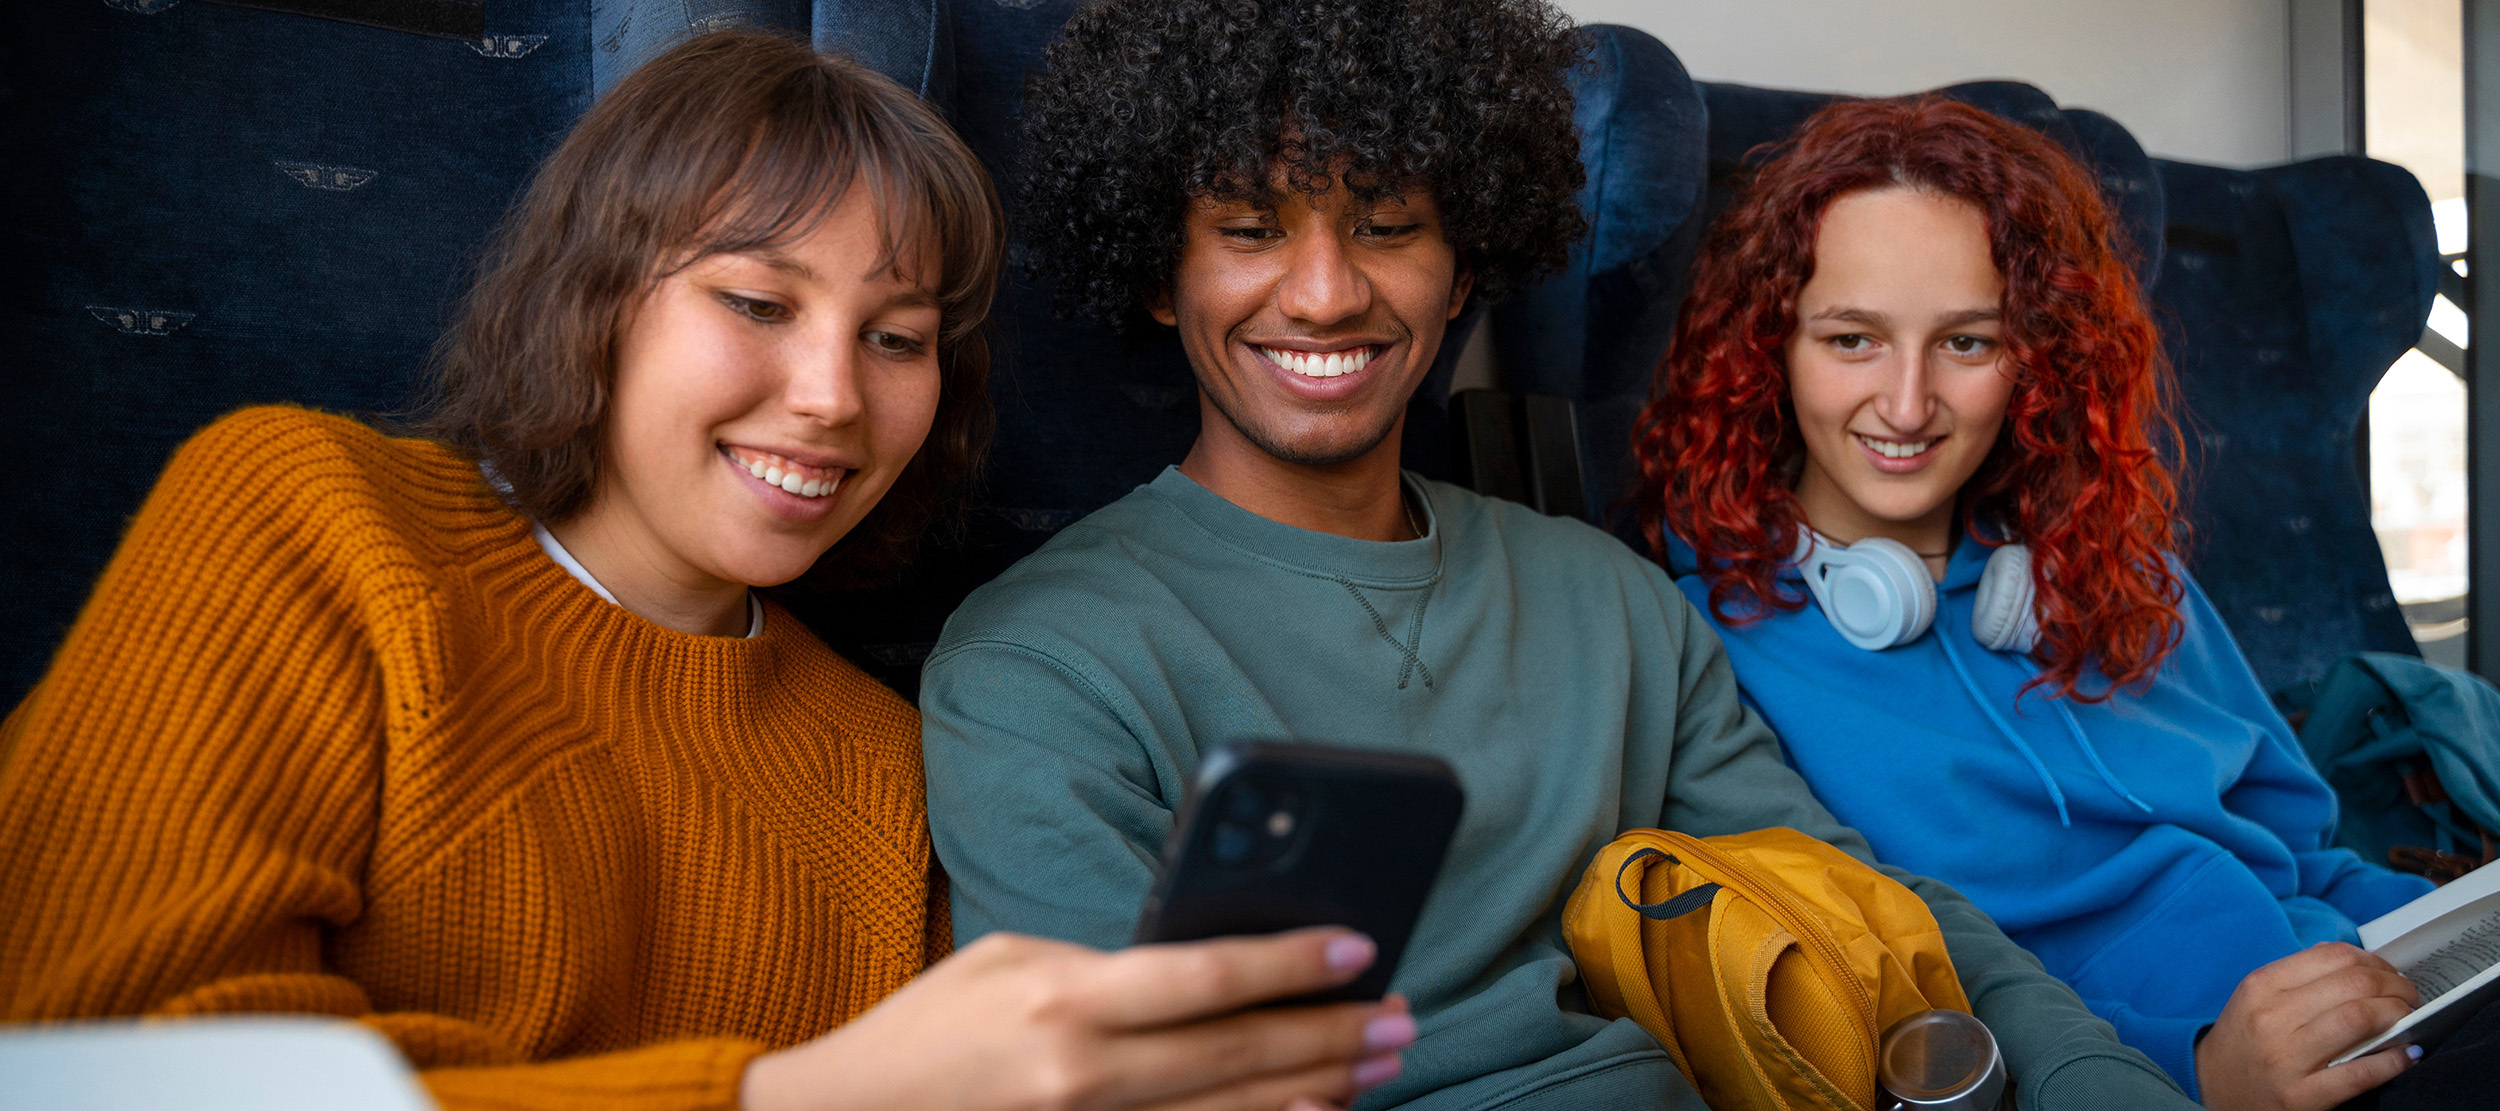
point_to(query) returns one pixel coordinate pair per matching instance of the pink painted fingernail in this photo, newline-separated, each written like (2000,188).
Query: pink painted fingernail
(1376,1071)
(2414,1051)
(1389,1032)
(1351,953)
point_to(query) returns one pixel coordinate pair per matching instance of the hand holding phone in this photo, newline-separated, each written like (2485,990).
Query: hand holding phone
(1278,836)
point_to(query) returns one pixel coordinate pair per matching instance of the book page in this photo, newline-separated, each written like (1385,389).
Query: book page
(2388,929)
(2474,949)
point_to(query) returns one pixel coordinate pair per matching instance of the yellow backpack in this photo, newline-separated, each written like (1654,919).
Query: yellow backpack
(1773,999)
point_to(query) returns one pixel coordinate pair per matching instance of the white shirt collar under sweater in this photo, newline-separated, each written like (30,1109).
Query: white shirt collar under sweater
(573,567)
(564,559)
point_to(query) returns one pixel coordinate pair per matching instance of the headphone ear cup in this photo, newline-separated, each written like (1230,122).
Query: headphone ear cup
(2004,617)
(1875,592)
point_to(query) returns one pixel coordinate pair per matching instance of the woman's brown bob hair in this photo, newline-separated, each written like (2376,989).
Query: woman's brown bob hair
(732,141)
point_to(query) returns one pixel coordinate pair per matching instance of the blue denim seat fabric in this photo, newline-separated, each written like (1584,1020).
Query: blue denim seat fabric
(216,207)
(1595,332)
(2284,295)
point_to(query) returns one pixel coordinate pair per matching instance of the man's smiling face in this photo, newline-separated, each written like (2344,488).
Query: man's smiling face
(1310,320)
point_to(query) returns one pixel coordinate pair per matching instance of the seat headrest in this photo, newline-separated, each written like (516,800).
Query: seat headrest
(1641,127)
(1595,332)
(2366,295)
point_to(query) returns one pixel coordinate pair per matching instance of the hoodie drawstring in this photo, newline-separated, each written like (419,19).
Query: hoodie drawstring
(2074,729)
(2108,778)
(1954,655)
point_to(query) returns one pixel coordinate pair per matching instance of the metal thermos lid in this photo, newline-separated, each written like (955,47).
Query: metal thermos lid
(1941,1059)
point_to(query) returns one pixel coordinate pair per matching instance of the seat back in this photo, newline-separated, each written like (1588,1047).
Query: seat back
(1594,333)
(217,207)
(2285,294)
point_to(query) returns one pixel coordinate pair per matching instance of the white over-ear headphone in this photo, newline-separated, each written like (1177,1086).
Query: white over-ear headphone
(1877,593)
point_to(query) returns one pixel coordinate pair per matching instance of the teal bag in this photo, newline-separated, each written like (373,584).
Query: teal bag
(2413,752)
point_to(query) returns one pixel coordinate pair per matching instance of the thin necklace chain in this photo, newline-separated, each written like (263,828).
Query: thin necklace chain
(1408,505)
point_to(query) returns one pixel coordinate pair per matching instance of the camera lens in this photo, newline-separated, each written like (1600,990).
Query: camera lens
(1231,844)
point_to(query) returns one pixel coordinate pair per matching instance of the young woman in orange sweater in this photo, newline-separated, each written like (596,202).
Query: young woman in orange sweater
(484,739)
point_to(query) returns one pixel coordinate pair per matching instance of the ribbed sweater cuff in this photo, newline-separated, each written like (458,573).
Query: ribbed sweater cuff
(698,1075)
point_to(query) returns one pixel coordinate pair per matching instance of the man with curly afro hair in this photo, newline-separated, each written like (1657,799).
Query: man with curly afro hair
(1308,191)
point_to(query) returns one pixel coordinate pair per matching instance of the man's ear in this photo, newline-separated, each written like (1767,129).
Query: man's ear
(1460,285)
(1159,306)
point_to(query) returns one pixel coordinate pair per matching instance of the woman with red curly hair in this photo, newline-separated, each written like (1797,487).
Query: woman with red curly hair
(1913,429)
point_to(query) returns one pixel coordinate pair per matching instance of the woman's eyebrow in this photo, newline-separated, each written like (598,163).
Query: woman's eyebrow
(781,261)
(912,295)
(1875,319)
(1969,316)
(1854,315)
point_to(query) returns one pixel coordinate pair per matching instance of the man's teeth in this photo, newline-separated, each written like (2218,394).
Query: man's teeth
(770,469)
(1895,449)
(1313,364)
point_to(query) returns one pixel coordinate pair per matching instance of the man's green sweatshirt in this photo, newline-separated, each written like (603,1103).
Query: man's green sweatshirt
(1574,690)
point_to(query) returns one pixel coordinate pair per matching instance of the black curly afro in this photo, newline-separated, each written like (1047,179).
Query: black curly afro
(1145,104)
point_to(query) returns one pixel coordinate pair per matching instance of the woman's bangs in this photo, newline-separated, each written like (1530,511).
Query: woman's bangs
(795,177)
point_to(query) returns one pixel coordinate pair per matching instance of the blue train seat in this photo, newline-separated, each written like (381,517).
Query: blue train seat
(215,207)
(1594,333)
(2285,294)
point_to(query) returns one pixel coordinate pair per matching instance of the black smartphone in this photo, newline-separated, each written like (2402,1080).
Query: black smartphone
(1277,836)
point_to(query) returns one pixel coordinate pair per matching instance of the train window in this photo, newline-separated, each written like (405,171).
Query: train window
(2413,112)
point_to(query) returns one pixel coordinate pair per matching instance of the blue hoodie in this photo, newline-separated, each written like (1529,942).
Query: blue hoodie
(2152,849)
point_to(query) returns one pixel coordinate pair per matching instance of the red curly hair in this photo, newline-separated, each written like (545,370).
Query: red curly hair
(2077,473)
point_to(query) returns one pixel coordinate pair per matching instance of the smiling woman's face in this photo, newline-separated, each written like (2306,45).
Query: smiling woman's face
(764,400)
(1897,366)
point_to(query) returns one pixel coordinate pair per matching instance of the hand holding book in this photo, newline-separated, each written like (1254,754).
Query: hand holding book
(2447,943)
(2271,1046)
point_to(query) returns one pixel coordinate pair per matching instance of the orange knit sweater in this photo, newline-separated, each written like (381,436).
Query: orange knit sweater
(334,735)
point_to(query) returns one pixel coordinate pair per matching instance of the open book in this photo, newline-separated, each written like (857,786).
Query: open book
(2448,944)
